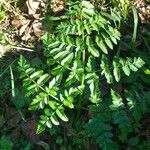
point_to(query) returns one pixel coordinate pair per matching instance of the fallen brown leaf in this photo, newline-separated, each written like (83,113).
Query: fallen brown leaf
(58,6)
(19,21)
(32,5)
(35,7)
(27,34)
(24,28)
(37,28)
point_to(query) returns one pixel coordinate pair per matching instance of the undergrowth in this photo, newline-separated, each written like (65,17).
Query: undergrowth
(90,87)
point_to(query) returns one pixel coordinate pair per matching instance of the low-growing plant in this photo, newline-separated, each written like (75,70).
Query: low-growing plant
(122,6)
(73,52)
(86,69)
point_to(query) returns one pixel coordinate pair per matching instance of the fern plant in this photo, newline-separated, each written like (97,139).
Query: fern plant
(78,54)
(117,118)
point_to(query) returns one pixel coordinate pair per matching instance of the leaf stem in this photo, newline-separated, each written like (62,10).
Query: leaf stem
(83,54)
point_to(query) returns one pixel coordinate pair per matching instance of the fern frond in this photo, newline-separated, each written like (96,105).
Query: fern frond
(126,65)
(46,96)
(122,120)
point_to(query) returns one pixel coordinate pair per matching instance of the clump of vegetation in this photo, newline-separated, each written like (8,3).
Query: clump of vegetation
(84,85)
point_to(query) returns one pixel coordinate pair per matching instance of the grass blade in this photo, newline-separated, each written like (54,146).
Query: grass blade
(135,16)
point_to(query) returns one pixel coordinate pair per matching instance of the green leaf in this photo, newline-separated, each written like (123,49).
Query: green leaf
(34,105)
(41,127)
(47,111)
(60,55)
(74,29)
(61,114)
(147,71)
(58,49)
(30,70)
(117,74)
(79,27)
(36,74)
(54,120)
(107,41)
(78,42)
(117,100)
(86,25)
(49,124)
(138,62)
(91,86)
(32,87)
(113,39)
(95,26)
(126,70)
(88,40)
(71,79)
(50,61)
(87,4)
(116,70)
(93,51)
(68,30)
(53,104)
(53,45)
(69,41)
(90,64)
(106,69)
(43,79)
(101,44)
(57,70)
(133,68)
(69,102)
(125,67)
(22,62)
(52,83)
(68,59)
(122,120)
(42,104)
(91,47)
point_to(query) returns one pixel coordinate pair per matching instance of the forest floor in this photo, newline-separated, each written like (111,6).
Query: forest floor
(22,25)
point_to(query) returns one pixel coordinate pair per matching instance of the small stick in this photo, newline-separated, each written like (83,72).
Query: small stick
(22,48)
